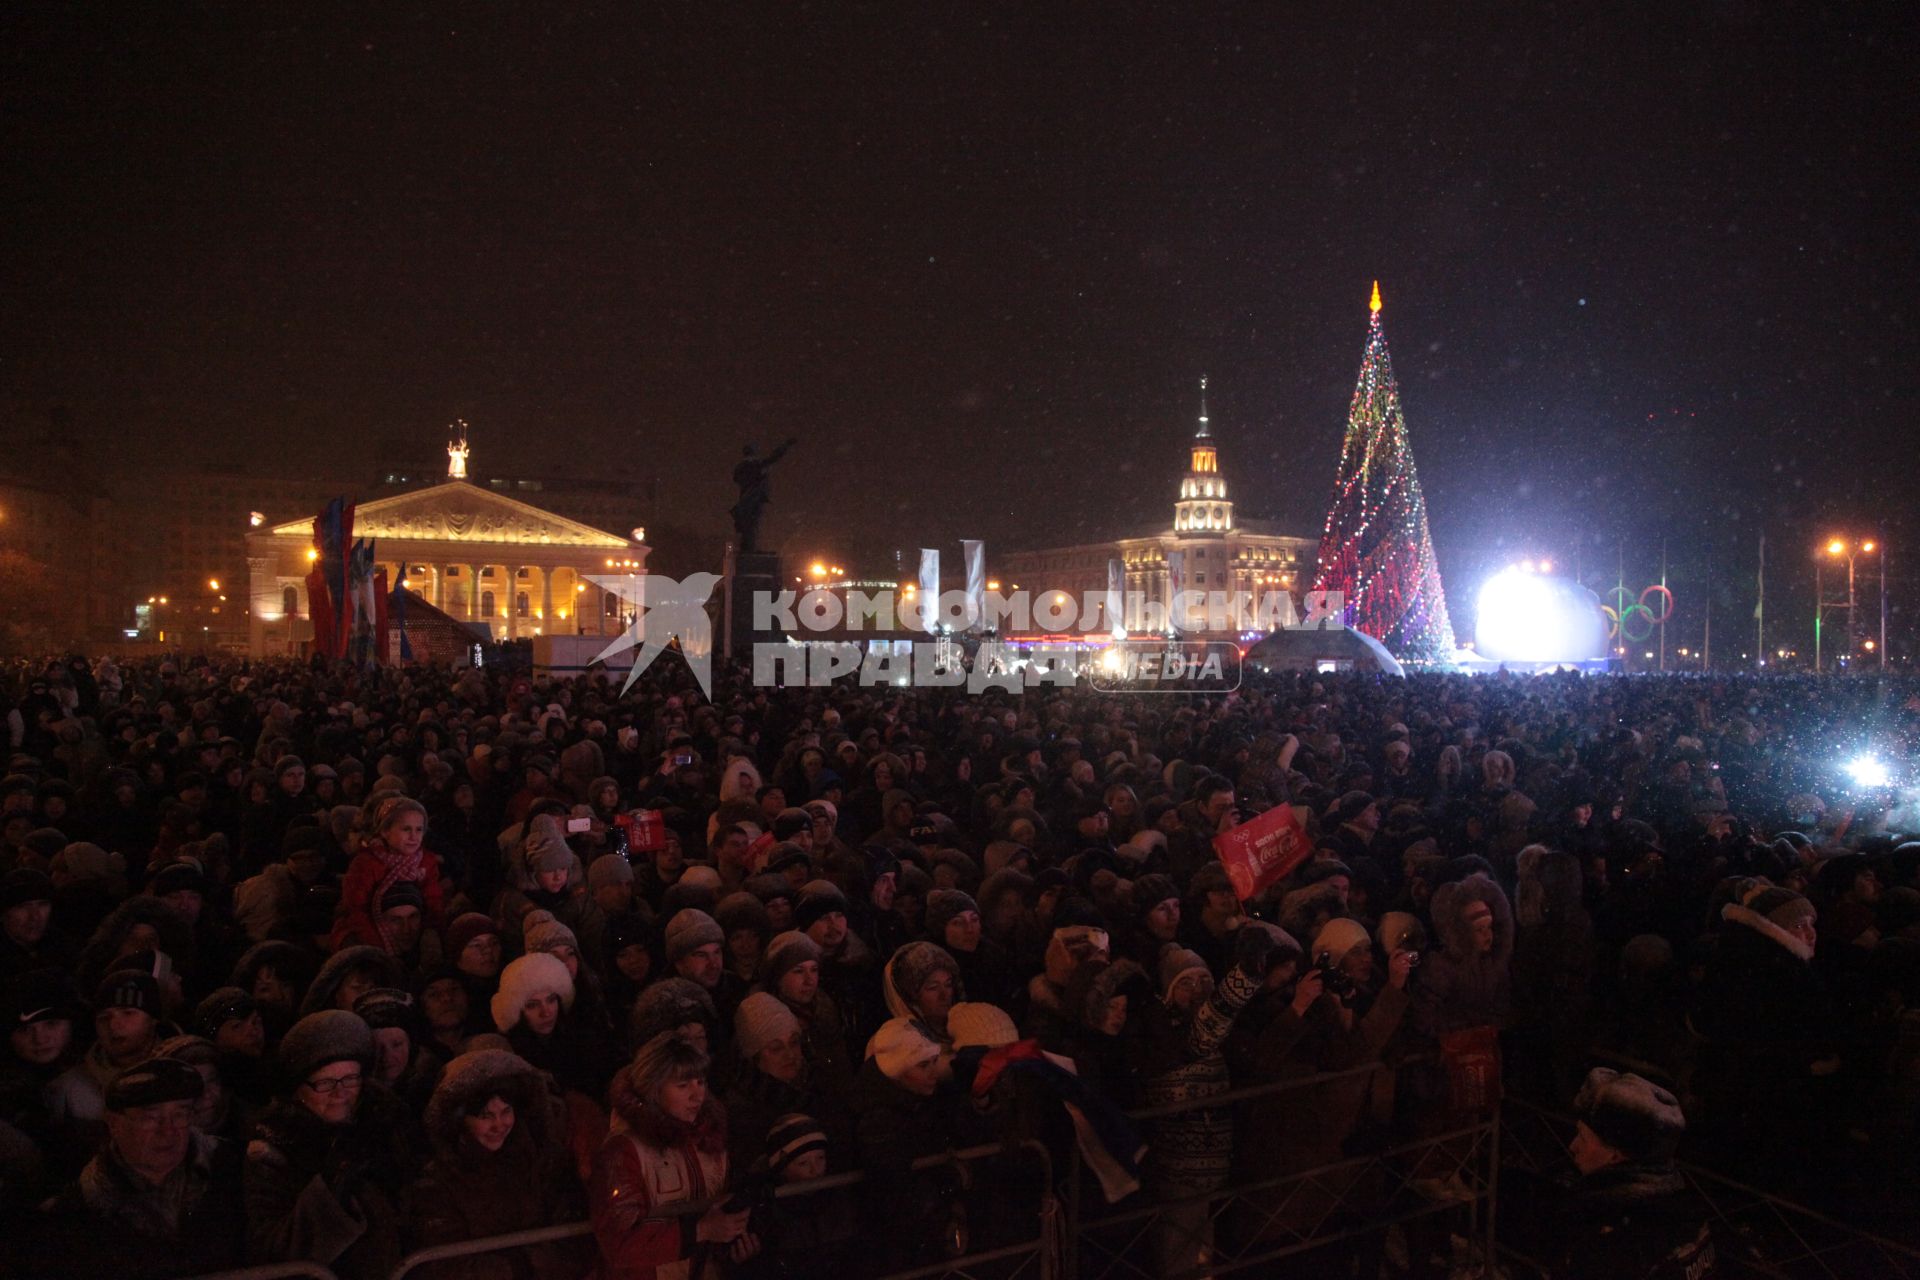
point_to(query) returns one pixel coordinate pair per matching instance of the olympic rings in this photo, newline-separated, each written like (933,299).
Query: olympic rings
(1666,594)
(1626,621)
(1622,600)
(1613,621)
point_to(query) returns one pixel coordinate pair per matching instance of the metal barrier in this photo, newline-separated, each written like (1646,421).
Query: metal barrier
(489,1244)
(274,1271)
(1466,1160)
(1755,1233)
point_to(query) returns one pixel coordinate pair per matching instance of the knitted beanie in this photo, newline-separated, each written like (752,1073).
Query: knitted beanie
(701,876)
(817,898)
(975,1023)
(386,1007)
(785,952)
(739,911)
(546,846)
(1176,963)
(942,906)
(544,932)
(1783,907)
(331,1035)
(129,989)
(534,974)
(760,1020)
(1149,891)
(1339,936)
(792,1136)
(688,931)
(465,928)
(1400,931)
(899,1045)
(609,869)
(667,1004)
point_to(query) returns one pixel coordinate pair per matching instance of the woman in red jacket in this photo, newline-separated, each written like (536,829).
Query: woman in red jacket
(668,1146)
(392,851)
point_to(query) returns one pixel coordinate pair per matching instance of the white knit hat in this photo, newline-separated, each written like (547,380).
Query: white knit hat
(900,1045)
(533,974)
(1339,936)
(974,1023)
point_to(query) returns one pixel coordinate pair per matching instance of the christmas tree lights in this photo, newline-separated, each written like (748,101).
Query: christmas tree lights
(1375,548)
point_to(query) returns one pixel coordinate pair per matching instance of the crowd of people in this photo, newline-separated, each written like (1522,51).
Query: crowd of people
(301,962)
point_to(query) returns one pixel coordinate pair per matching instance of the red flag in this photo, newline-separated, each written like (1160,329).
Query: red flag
(1262,851)
(320,613)
(380,617)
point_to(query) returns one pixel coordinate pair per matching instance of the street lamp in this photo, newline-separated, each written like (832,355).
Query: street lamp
(1840,548)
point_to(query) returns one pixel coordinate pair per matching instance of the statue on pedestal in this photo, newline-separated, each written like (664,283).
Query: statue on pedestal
(750,474)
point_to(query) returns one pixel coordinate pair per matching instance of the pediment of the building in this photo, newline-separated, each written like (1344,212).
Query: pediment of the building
(457,511)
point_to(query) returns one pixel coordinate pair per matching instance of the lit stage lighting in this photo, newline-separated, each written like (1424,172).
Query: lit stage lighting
(1869,771)
(1526,616)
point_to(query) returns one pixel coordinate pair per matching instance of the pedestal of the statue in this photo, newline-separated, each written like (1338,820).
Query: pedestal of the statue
(748,573)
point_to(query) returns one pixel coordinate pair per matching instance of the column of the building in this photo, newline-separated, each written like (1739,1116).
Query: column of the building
(547,618)
(513,601)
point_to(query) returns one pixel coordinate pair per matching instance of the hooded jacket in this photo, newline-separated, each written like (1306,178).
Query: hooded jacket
(468,1192)
(646,1162)
(1458,987)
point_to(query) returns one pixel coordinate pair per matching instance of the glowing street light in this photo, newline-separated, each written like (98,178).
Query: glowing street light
(213,584)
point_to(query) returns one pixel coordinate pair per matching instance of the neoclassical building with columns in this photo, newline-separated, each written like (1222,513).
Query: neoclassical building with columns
(476,555)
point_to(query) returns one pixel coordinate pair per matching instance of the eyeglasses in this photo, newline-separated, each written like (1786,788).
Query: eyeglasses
(327,1088)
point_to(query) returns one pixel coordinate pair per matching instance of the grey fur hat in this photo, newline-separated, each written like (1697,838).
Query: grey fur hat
(331,1035)
(1631,1114)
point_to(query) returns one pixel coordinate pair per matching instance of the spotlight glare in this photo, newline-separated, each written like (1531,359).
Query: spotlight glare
(1868,771)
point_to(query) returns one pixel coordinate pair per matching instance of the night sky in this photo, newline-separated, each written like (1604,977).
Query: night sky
(1648,269)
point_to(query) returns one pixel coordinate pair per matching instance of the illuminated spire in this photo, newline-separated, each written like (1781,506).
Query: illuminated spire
(1203,433)
(1374,306)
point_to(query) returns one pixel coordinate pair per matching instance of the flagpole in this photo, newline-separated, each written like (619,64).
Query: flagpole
(1760,608)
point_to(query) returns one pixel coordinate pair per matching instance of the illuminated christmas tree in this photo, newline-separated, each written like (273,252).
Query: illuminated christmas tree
(1376,549)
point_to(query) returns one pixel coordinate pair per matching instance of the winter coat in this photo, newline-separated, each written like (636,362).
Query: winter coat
(908,1212)
(1766,1016)
(1182,1064)
(331,1193)
(112,1222)
(757,1100)
(356,918)
(647,1163)
(1635,1221)
(1458,987)
(467,1192)
(1310,1126)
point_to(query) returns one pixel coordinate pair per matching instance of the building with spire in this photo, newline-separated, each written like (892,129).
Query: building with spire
(1209,546)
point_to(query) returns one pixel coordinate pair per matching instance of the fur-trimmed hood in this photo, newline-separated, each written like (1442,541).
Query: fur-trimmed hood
(1089,994)
(473,1078)
(339,964)
(1734,913)
(1450,903)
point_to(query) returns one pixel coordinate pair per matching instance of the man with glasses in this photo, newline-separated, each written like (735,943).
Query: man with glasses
(160,1199)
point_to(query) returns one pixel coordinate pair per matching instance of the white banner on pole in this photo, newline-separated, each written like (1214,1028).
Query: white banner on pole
(929,588)
(974,553)
(1176,583)
(1116,598)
